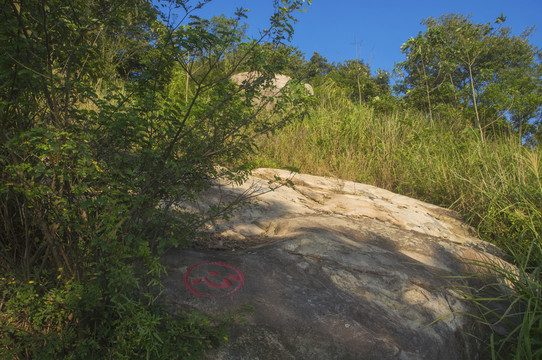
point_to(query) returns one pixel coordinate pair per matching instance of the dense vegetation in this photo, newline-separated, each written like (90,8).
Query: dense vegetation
(109,117)
(112,112)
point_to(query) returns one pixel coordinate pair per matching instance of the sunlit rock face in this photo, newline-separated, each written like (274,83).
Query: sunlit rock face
(273,89)
(333,270)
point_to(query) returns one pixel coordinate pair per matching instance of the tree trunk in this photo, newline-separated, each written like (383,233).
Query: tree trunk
(474,102)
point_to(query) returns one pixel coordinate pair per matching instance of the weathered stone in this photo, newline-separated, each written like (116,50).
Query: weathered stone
(277,84)
(334,270)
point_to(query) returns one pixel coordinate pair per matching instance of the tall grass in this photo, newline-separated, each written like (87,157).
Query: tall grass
(496,186)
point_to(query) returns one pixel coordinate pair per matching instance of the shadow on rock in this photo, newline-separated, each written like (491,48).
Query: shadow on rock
(333,270)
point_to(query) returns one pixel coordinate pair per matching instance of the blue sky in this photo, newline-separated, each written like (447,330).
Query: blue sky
(379,27)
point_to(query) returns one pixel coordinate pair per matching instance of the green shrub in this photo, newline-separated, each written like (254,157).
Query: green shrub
(95,151)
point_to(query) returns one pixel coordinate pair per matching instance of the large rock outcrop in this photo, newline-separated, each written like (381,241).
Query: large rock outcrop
(275,87)
(333,270)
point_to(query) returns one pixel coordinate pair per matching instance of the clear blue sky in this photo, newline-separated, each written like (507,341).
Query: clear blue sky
(380,27)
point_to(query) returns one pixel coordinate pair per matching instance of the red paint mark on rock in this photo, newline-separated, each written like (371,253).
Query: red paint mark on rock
(213,279)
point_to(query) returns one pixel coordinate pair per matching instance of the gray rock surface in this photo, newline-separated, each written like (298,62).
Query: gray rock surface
(333,270)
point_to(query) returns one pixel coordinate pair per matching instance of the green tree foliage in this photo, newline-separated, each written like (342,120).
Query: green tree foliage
(287,58)
(356,79)
(481,71)
(97,147)
(318,65)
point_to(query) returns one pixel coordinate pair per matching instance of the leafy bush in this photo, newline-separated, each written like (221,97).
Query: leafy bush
(95,151)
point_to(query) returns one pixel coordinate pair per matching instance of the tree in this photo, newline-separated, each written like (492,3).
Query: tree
(355,76)
(96,152)
(318,65)
(427,72)
(467,67)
